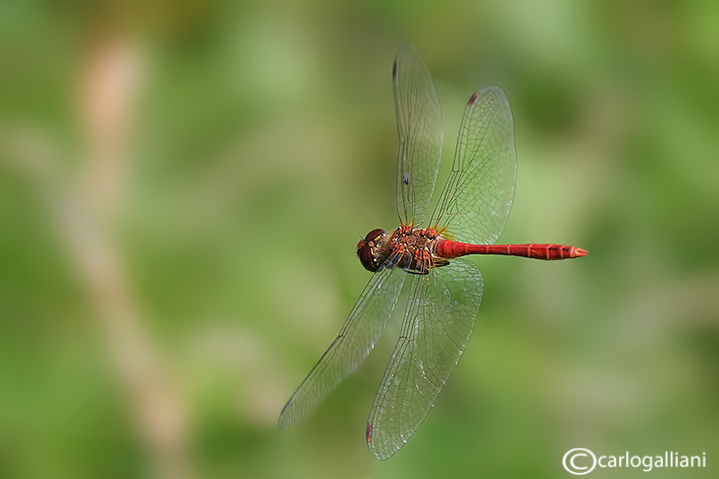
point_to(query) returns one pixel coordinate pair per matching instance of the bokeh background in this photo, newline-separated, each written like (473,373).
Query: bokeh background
(182,185)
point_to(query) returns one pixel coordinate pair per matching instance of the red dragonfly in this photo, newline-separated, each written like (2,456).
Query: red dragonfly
(445,290)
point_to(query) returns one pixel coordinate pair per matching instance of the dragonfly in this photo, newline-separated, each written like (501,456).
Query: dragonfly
(445,289)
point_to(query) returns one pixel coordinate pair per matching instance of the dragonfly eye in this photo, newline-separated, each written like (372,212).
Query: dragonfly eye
(366,249)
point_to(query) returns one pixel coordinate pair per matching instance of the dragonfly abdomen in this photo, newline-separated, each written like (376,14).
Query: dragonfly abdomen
(453,249)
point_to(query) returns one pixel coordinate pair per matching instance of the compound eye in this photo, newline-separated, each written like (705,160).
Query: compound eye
(364,251)
(373,235)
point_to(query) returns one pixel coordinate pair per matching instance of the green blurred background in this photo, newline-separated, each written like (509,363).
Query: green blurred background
(182,185)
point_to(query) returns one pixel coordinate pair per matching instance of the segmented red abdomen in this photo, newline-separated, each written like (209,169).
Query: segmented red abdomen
(452,249)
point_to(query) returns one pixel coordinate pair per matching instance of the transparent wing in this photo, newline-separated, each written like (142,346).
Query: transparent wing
(356,339)
(419,124)
(476,200)
(438,323)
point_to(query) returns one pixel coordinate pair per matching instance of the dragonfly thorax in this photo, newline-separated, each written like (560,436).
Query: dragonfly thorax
(411,249)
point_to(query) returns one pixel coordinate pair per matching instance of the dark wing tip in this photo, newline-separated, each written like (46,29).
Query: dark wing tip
(473,98)
(284,421)
(394,70)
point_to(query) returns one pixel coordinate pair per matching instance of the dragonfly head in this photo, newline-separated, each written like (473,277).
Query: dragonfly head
(368,249)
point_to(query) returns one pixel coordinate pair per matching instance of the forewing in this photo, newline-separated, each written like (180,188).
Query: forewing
(476,200)
(438,323)
(356,339)
(419,123)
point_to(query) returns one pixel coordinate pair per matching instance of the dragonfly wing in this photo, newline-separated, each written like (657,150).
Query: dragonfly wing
(476,200)
(356,339)
(419,124)
(438,323)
